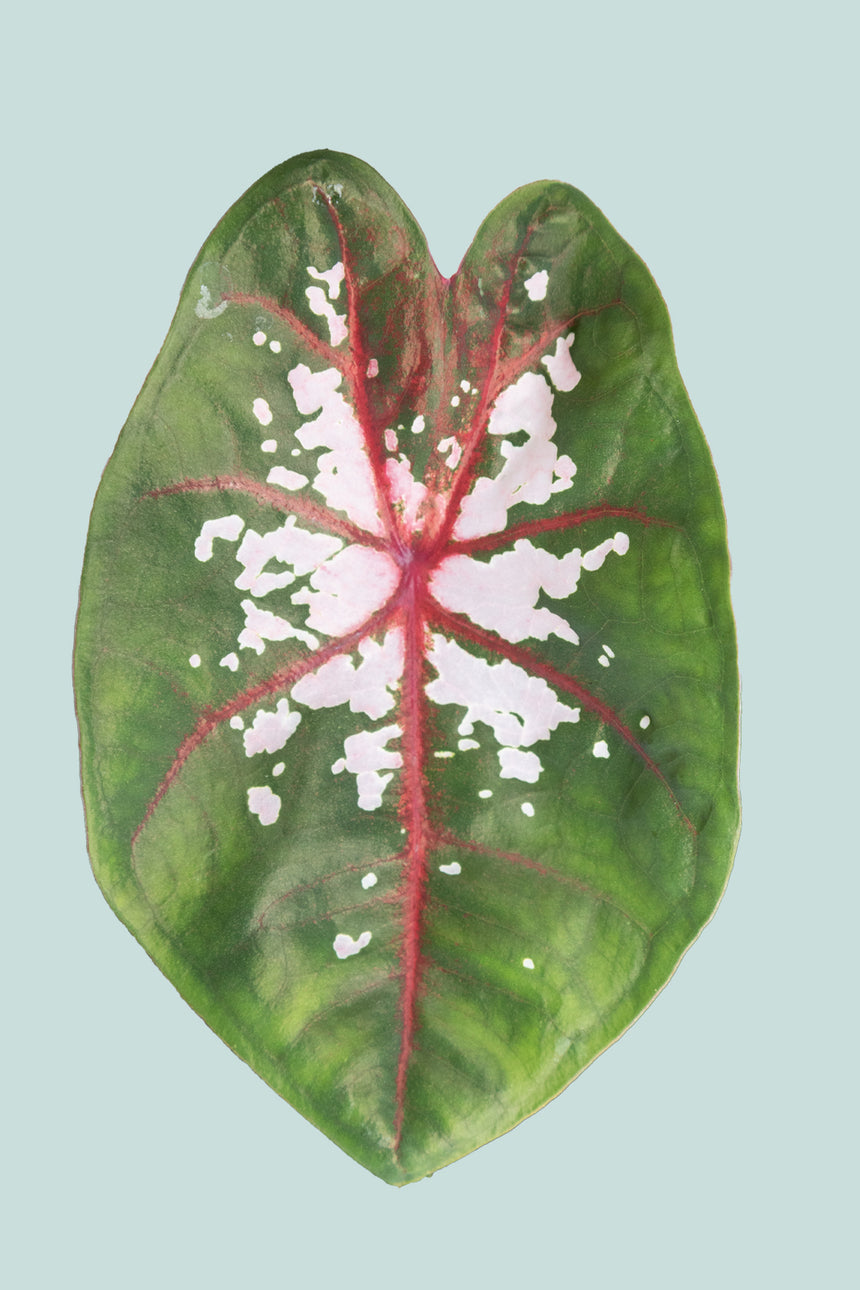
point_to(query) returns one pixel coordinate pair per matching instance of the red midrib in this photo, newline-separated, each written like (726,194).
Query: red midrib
(414,815)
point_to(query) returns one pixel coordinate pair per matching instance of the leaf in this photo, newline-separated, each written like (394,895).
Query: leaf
(405,664)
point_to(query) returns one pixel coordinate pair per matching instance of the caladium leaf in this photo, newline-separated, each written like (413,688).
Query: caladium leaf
(405,664)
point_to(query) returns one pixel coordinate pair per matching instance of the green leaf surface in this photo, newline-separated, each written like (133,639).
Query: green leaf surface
(405,664)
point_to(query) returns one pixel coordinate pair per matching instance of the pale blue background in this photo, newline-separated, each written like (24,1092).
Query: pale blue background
(713,1147)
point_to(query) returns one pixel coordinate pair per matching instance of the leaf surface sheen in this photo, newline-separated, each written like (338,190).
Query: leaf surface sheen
(405,662)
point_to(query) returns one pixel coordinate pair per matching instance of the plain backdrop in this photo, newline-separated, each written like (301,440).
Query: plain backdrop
(714,1146)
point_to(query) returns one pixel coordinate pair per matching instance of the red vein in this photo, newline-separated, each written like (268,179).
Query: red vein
(280,680)
(268,495)
(304,333)
(524,658)
(413,813)
(505,370)
(514,857)
(358,361)
(533,528)
(475,438)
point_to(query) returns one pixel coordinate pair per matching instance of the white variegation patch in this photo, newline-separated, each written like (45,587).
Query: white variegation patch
(519,709)
(532,471)
(368,688)
(265,804)
(366,756)
(270,731)
(344,946)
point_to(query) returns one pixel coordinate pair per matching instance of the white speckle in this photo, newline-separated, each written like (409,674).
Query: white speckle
(454,450)
(601,748)
(278,768)
(610,652)
(347,589)
(527,808)
(366,754)
(391,440)
(275,346)
(231,661)
(455,402)
(336,322)
(536,285)
(345,479)
(519,708)
(332,278)
(372,369)
(269,445)
(265,804)
(532,472)
(367,687)
(289,479)
(369,880)
(464,386)
(203,308)
(443,754)
(517,764)
(301,550)
(528,963)
(237,723)
(296,452)
(485,792)
(452,868)
(261,625)
(645,722)
(259,338)
(194,660)
(465,745)
(603,660)
(560,365)
(344,946)
(271,730)
(417,425)
(228,527)
(594,558)
(262,412)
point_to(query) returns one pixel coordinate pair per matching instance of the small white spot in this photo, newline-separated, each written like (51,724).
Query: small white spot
(452,868)
(536,285)
(391,440)
(231,661)
(369,880)
(333,277)
(454,450)
(296,452)
(417,425)
(237,723)
(289,479)
(269,445)
(603,661)
(528,963)
(466,744)
(455,402)
(275,346)
(601,749)
(645,722)
(485,792)
(344,946)
(262,412)
(444,753)
(194,660)
(516,764)
(204,309)
(227,527)
(259,338)
(610,652)
(372,369)
(279,768)
(527,808)
(464,386)
(265,804)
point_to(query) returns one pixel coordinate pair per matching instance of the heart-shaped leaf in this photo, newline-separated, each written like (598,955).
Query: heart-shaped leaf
(405,663)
